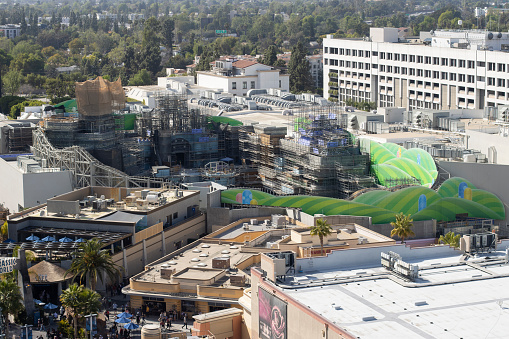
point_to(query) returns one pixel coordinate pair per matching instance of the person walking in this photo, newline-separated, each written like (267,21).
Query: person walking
(107,315)
(185,321)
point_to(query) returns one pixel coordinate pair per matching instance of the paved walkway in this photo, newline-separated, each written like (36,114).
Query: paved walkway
(176,326)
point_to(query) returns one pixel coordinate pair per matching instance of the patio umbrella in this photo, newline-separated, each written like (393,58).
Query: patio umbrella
(38,241)
(122,320)
(50,306)
(124,315)
(37,301)
(80,240)
(65,239)
(48,238)
(131,326)
(8,241)
(32,238)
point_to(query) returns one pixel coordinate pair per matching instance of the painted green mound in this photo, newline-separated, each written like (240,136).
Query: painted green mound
(379,154)
(242,196)
(225,120)
(450,187)
(489,200)
(446,209)
(421,157)
(385,173)
(406,200)
(371,197)
(413,169)
(394,148)
(330,206)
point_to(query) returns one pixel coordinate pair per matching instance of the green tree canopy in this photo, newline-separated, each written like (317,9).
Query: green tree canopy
(11,300)
(299,69)
(450,239)
(80,301)
(11,82)
(142,78)
(91,261)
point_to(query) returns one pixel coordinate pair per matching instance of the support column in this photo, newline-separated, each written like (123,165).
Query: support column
(144,254)
(163,243)
(126,272)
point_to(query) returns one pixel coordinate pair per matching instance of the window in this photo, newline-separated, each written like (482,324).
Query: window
(481,64)
(404,57)
(501,82)
(252,84)
(375,53)
(244,85)
(452,62)
(234,85)
(412,58)
(462,63)
(436,61)
(471,64)
(382,55)
(412,71)
(461,77)
(326,50)
(444,75)
(491,66)
(361,53)
(279,83)
(389,56)
(326,61)
(420,59)
(396,56)
(354,52)
(444,61)
(435,74)
(427,60)
(175,215)
(367,54)
(452,76)
(501,67)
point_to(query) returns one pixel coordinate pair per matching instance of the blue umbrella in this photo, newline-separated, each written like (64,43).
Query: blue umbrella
(65,239)
(32,238)
(124,315)
(37,301)
(80,240)
(38,241)
(122,320)
(50,306)
(8,241)
(48,239)
(131,326)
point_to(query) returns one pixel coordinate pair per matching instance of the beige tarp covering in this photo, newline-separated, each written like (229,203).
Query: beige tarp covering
(51,272)
(99,97)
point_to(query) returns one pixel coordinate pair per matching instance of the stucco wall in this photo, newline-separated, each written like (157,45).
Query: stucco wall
(482,141)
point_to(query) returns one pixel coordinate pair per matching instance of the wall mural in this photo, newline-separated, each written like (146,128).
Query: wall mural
(272,316)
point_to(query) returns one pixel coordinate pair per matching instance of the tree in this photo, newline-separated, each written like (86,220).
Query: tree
(450,239)
(79,301)
(142,78)
(11,300)
(91,262)
(298,67)
(168,26)
(402,227)
(12,81)
(76,46)
(321,229)
(4,230)
(270,56)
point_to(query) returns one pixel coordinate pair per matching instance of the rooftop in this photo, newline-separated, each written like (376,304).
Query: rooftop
(451,298)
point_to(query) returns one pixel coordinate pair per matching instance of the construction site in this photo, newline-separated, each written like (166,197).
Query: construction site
(319,156)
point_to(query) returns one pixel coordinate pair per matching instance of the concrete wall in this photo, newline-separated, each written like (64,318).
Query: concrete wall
(154,250)
(336,219)
(217,217)
(482,141)
(370,257)
(161,214)
(489,177)
(30,189)
(422,229)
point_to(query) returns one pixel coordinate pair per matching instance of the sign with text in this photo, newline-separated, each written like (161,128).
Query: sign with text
(8,264)
(221,31)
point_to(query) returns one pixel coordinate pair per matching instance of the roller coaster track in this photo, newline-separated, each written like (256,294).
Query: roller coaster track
(86,170)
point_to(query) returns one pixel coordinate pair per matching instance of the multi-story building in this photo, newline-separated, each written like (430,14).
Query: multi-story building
(442,70)
(10,31)
(239,76)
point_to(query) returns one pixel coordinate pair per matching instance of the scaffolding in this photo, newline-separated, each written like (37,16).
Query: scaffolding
(86,170)
(19,137)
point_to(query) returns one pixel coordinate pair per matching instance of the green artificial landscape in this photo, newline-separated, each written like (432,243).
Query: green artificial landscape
(455,196)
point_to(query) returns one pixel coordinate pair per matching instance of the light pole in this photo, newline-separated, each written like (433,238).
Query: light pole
(26,328)
(91,317)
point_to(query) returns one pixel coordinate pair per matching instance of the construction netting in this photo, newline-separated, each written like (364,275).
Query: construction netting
(99,97)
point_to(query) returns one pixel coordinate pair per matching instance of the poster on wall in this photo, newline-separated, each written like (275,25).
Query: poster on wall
(272,316)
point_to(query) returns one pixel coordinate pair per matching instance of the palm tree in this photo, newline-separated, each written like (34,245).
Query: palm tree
(402,227)
(80,301)
(450,239)
(29,255)
(322,229)
(91,261)
(11,300)
(4,230)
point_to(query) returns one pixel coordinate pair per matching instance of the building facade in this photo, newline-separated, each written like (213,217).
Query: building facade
(238,77)
(442,70)
(10,31)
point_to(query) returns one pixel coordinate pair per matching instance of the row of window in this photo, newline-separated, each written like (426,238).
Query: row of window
(244,85)
(420,59)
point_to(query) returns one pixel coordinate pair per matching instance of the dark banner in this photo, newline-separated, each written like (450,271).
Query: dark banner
(272,316)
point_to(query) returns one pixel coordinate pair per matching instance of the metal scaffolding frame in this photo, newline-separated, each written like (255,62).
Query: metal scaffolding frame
(86,170)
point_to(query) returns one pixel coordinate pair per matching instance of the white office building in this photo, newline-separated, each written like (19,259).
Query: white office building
(237,77)
(10,31)
(441,70)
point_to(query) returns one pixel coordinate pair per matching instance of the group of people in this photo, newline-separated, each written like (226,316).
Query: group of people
(116,333)
(165,318)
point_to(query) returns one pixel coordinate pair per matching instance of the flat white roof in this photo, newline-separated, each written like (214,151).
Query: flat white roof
(383,308)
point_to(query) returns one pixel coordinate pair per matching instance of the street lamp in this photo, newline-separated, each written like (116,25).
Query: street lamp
(27,329)
(91,317)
